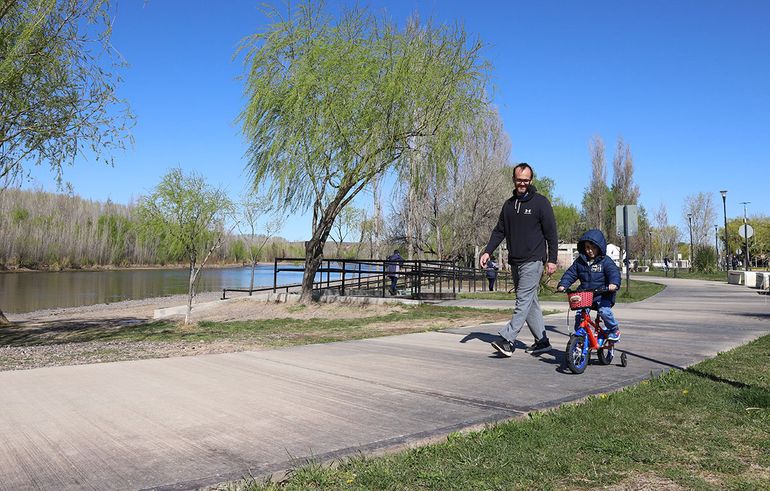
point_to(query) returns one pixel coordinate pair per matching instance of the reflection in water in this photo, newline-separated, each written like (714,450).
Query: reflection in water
(29,291)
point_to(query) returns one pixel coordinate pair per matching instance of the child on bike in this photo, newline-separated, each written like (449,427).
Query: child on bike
(595,270)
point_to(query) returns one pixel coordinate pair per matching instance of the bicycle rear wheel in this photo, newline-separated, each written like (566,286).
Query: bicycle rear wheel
(577,353)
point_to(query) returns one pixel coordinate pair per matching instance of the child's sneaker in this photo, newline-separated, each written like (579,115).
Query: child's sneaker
(613,334)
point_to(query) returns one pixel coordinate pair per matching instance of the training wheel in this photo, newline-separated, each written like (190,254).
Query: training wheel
(623,360)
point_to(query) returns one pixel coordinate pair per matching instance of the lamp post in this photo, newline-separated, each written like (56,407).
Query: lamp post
(728,263)
(649,234)
(716,242)
(689,220)
(746,233)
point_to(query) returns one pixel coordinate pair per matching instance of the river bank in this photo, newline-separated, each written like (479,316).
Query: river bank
(133,267)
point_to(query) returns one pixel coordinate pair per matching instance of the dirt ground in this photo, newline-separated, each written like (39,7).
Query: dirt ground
(41,323)
(132,311)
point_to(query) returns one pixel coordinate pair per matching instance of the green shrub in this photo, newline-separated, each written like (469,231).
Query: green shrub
(705,259)
(19,215)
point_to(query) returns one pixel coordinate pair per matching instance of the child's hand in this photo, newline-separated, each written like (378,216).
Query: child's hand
(612,287)
(560,289)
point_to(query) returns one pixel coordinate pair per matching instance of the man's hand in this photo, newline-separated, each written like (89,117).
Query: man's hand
(612,287)
(483,260)
(550,268)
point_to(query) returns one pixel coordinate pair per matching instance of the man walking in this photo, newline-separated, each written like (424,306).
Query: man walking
(392,267)
(528,226)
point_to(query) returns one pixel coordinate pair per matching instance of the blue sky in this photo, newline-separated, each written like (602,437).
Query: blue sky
(686,83)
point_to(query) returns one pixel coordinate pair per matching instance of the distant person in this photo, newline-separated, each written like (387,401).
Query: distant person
(491,274)
(594,269)
(528,225)
(665,264)
(392,267)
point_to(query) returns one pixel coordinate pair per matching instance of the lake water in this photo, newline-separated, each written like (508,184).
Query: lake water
(30,291)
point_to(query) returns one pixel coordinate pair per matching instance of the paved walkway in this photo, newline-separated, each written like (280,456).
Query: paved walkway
(184,422)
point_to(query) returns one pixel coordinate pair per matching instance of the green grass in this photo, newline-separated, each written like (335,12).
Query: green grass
(707,427)
(639,290)
(268,333)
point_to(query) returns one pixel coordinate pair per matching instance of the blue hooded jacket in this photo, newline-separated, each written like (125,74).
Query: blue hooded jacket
(599,274)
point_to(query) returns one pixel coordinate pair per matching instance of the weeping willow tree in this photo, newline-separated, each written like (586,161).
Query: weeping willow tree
(334,103)
(58,81)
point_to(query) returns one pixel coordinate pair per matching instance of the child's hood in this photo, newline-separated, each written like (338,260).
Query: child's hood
(596,237)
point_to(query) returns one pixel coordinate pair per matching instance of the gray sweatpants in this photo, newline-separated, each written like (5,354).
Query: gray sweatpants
(526,281)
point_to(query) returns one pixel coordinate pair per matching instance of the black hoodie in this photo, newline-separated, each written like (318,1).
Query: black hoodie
(527,224)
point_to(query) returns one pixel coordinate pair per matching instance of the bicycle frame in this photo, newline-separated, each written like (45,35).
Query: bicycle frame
(589,336)
(591,328)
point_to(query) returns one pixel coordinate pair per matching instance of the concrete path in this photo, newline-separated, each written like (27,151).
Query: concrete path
(185,422)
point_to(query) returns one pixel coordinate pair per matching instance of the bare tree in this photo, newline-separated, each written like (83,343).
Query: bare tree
(449,215)
(254,209)
(624,190)
(378,224)
(481,183)
(661,216)
(595,195)
(665,237)
(701,208)
(367,234)
(347,222)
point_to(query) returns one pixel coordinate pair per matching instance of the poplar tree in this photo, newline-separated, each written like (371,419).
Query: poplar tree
(595,197)
(334,104)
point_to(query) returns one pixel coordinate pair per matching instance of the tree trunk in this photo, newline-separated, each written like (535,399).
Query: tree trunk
(251,283)
(190,294)
(314,249)
(3,320)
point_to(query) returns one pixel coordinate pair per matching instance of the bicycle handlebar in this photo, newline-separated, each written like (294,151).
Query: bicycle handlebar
(598,291)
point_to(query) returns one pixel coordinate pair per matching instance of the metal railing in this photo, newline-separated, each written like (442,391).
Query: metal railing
(418,279)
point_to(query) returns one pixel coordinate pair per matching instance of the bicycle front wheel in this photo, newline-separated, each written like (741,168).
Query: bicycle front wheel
(577,354)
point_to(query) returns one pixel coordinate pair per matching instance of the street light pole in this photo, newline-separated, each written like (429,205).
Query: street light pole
(728,263)
(689,219)
(649,233)
(746,233)
(716,242)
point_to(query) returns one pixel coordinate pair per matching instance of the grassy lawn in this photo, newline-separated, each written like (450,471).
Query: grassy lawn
(268,333)
(705,428)
(639,290)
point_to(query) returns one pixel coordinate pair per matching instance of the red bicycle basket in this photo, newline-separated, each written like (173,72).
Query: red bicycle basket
(580,300)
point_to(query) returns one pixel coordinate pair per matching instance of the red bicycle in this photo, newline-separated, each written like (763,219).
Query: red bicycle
(589,334)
